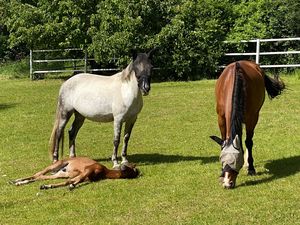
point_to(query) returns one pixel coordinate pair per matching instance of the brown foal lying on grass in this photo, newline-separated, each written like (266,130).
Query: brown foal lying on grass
(77,170)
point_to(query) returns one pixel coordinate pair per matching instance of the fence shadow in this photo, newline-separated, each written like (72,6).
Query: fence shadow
(278,169)
(156,158)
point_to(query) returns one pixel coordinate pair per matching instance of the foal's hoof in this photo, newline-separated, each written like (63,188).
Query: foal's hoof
(251,172)
(13,182)
(44,187)
(71,187)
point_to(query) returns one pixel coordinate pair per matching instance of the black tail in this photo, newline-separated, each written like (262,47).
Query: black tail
(238,104)
(273,86)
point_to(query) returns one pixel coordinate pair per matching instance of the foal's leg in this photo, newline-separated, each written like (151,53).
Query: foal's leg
(76,125)
(41,174)
(63,119)
(72,182)
(117,133)
(127,132)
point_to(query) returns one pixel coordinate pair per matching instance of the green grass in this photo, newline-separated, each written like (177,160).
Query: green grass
(171,146)
(19,69)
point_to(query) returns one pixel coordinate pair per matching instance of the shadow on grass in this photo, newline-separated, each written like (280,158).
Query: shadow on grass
(156,158)
(4,106)
(278,169)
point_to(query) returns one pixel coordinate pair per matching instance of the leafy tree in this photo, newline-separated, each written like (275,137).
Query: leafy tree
(266,19)
(120,26)
(188,34)
(50,23)
(3,31)
(193,39)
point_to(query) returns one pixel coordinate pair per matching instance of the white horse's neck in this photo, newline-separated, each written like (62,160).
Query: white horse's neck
(128,73)
(130,89)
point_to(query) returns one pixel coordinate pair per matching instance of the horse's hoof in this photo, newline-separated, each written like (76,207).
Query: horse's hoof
(125,162)
(251,172)
(117,167)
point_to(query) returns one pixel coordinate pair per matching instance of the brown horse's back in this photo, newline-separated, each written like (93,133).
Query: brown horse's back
(253,77)
(255,86)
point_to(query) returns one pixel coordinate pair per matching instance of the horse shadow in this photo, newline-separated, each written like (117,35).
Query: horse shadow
(156,158)
(4,106)
(278,169)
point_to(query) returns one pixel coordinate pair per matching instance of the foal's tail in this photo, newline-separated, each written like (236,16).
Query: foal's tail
(53,136)
(274,86)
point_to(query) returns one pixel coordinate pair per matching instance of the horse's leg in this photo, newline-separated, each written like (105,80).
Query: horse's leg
(117,133)
(250,125)
(76,125)
(127,132)
(222,127)
(63,120)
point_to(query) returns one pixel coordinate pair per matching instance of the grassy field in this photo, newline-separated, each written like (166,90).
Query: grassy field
(171,146)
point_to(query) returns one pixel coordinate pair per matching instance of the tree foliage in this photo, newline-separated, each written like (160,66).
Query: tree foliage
(188,33)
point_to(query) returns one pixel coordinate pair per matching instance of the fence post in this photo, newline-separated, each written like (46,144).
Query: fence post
(30,65)
(85,60)
(257,50)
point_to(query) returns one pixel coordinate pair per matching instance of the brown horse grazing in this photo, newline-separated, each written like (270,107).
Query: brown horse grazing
(240,94)
(78,170)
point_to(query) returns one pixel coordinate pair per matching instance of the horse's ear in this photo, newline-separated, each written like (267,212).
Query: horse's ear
(134,54)
(150,53)
(217,139)
(237,142)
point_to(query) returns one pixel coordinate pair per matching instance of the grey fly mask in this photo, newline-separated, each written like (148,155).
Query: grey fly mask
(232,155)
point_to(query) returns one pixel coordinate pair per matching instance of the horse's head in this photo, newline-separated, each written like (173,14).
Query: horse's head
(129,171)
(232,160)
(142,67)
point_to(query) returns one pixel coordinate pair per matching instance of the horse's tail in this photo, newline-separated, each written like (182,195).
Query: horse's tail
(274,86)
(53,136)
(238,103)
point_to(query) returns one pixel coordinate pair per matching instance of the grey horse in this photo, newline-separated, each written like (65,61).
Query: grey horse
(116,98)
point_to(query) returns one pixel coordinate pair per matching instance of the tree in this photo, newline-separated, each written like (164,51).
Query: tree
(188,34)
(50,23)
(194,38)
(3,30)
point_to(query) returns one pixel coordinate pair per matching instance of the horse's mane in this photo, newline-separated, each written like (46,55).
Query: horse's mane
(127,71)
(238,104)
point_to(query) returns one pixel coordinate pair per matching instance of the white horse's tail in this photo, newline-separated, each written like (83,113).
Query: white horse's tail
(53,136)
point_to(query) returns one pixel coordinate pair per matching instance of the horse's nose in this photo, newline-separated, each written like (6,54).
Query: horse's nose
(147,86)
